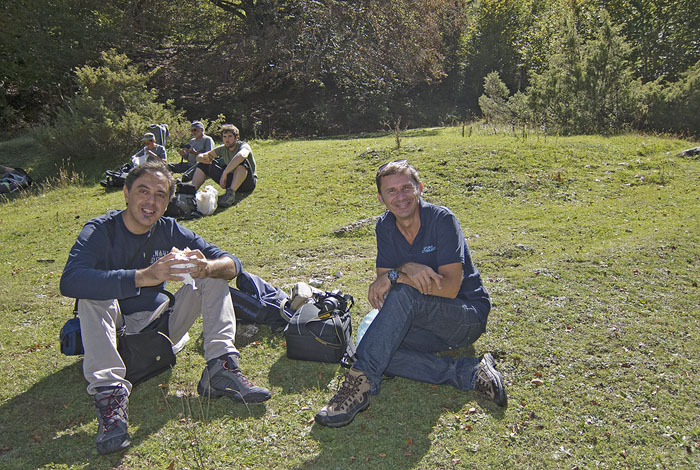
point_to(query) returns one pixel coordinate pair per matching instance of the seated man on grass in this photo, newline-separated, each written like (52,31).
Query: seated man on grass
(231,165)
(118,268)
(199,143)
(430,299)
(150,151)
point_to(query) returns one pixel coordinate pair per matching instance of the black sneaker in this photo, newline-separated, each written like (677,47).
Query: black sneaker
(112,408)
(489,381)
(222,378)
(351,398)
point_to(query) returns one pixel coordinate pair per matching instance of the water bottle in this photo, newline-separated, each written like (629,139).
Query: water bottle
(365,324)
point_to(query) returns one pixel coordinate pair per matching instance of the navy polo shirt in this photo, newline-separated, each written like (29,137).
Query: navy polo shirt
(440,241)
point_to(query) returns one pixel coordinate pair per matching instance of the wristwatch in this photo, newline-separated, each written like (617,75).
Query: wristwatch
(393,276)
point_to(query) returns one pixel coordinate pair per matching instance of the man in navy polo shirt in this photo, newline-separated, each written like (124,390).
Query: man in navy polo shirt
(430,299)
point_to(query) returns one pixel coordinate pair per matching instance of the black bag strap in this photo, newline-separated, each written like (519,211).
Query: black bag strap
(350,354)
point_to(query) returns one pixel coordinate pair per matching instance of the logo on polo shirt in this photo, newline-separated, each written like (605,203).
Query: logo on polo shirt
(428,249)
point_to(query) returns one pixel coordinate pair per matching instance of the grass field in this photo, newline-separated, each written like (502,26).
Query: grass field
(589,246)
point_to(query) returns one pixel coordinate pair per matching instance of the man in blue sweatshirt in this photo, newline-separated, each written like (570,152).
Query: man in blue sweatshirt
(118,268)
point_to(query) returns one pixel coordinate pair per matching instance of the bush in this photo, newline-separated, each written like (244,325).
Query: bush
(111,111)
(588,88)
(674,108)
(498,108)
(494,101)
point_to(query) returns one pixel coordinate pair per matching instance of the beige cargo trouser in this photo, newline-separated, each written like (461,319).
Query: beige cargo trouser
(100,320)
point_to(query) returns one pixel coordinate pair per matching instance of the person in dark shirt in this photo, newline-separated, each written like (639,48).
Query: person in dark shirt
(430,299)
(118,268)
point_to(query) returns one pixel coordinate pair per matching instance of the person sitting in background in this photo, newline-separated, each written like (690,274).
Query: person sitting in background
(231,165)
(150,151)
(199,143)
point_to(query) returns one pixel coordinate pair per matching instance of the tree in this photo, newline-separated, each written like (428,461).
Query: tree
(663,35)
(494,101)
(588,87)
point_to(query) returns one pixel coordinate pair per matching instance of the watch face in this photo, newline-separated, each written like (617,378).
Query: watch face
(393,276)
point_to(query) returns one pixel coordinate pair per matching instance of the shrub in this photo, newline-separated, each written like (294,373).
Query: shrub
(106,118)
(674,108)
(587,88)
(494,101)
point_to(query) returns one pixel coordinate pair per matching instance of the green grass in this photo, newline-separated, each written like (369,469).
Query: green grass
(588,245)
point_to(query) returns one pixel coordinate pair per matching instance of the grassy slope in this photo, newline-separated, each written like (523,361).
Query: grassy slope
(588,245)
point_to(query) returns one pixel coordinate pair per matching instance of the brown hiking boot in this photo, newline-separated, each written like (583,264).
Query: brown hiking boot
(351,398)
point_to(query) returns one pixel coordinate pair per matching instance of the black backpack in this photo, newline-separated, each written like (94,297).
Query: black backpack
(161,132)
(184,203)
(116,178)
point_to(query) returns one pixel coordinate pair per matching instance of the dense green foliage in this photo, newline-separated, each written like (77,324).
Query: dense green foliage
(589,247)
(330,66)
(108,116)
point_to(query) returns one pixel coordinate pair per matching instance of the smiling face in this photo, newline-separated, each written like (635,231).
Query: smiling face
(146,201)
(400,194)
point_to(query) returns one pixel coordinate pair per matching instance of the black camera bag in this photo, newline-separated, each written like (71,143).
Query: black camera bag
(320,335)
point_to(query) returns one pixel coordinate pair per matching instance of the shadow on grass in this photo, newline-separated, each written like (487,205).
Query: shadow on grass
(396,431)
(54,421)
(54,424)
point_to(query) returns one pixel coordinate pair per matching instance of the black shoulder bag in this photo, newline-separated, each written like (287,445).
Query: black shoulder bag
(146,353)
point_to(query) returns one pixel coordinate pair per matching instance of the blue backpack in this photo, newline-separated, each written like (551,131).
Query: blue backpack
(257,301)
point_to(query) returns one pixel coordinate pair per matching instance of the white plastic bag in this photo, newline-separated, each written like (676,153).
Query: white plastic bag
(186,278)
(206,200)
(366,321)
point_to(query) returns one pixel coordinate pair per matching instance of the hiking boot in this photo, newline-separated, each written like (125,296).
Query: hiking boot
(351,398)
(489,381)
(228,199)
(112,408)
(222,378)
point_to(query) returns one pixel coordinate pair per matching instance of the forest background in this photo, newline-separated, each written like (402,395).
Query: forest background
(325,67)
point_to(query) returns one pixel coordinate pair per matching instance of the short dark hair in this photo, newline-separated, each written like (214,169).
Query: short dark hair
(230,128)
(151,166)
(397,167)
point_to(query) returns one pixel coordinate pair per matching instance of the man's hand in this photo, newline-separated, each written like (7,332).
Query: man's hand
(222,180)
(422,277)
(205,158)
(160,271)
(200,264)
(378,290)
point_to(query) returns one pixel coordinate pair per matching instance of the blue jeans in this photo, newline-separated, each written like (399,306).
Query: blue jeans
(410,328)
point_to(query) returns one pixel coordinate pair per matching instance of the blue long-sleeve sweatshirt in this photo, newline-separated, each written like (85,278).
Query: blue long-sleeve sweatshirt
(103,262)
